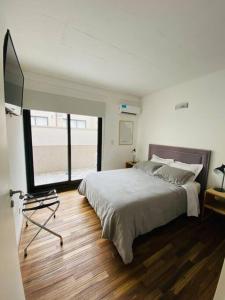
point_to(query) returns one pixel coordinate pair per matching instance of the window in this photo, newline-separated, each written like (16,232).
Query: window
(73,123)
(81,124)
(39,121)
(58,154)
(33,121)
(77,123)
(64,122)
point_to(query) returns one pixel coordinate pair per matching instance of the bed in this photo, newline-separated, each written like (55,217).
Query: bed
(130,202)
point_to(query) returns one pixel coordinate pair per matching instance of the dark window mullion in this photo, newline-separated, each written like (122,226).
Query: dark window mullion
(99,145)
(28,149)
(69,146)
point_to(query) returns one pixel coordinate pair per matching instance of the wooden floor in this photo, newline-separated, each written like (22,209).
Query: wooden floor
(181,260)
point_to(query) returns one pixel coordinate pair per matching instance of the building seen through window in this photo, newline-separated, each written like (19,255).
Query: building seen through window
(39,121)
(52,119)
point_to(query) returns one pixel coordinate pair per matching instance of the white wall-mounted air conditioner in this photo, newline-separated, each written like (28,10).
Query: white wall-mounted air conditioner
(129,109)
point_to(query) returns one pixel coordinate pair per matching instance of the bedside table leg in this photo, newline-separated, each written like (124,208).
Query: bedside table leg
(207,198)
(202,213)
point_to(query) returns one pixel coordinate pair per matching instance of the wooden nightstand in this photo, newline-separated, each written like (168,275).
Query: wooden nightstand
(130,164)
(214,201)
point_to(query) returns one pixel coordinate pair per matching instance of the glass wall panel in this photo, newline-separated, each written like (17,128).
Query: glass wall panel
(84,132)
(50,147)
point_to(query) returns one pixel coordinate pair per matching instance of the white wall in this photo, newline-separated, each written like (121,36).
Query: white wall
(114,155)
(10,278)
(202,125)
(50,136)
(17,168)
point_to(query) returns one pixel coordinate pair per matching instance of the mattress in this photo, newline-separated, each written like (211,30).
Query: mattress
(130,203)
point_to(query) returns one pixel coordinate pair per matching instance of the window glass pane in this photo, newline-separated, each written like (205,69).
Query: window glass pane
(41,121)
(73,123)
(50,147)
(83,146)
(81,124)
(64,123)
(32,121)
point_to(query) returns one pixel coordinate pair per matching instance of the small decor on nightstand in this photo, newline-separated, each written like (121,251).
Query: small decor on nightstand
(220,170)
(130,164)
(134,155)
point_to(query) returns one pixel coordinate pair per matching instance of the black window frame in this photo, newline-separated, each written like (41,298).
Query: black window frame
(59,186)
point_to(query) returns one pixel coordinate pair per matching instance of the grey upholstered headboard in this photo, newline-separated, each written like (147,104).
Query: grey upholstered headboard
(186,155)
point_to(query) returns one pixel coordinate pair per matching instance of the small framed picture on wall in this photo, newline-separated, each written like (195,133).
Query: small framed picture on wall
(126,129)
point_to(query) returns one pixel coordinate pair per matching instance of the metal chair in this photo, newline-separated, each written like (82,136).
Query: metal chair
(36,201)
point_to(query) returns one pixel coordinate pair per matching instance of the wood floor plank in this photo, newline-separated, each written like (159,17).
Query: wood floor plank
(181,260)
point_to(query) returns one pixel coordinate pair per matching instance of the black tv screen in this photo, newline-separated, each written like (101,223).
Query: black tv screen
(13,78)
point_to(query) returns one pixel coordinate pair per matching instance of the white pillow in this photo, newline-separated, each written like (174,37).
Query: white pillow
(195,168)
(166,161)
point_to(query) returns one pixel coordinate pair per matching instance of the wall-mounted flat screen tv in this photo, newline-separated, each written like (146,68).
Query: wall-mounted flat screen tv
(13,78)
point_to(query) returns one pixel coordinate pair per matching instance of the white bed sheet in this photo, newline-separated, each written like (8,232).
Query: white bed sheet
(192,190)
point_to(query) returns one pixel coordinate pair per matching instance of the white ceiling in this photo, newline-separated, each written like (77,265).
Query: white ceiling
(136,46)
